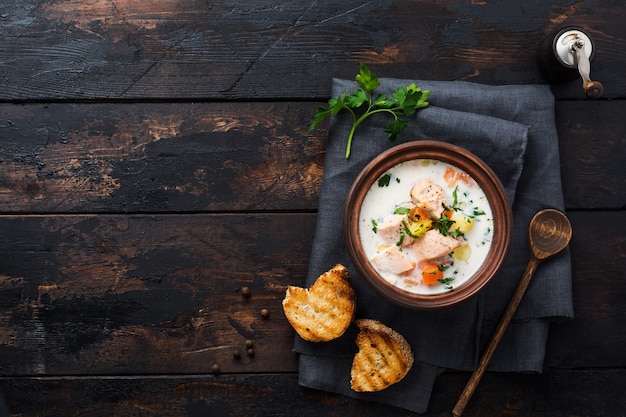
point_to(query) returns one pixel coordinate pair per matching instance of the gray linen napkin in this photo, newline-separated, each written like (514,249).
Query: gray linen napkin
(512,129)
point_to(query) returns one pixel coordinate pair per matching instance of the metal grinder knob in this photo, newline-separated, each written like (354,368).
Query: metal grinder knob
(568,50)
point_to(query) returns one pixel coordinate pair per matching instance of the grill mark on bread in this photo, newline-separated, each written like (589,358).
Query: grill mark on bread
(324,311)
(383,359)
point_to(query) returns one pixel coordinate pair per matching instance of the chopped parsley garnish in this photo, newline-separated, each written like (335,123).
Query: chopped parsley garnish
(447,283)
(444,226)
(374,226)
(402,210)
(384,180)
(400,239)
(455,199)
(406,230)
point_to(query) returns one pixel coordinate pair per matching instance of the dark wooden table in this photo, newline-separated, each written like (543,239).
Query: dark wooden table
(155,160)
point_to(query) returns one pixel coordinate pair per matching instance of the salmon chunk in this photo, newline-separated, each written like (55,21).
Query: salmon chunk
(389,230)
(434,245)
(430,197)
(393,260)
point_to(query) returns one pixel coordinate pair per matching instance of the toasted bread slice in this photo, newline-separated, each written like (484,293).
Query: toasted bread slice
(324,311)
(384,357)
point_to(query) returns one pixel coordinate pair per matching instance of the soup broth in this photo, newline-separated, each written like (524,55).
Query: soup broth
(426,226)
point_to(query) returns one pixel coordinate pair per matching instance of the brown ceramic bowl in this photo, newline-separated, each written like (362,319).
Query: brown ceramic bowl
(457,157)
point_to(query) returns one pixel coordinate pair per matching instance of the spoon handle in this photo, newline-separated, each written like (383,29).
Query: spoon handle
(511,307)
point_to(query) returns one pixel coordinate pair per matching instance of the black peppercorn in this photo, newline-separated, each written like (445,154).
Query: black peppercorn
(265,313)
(249,343)
(215,368)
(250,352)
(245,291)
(237,354)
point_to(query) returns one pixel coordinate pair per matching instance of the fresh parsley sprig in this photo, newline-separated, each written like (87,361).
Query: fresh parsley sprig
(362,104)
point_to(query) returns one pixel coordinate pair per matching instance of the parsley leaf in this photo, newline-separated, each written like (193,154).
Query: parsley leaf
(402,210)
(366,80)
(444,226)
(384,180)
(455,202)
(395,128)
(383,101)
(362,103)
(400,239)
(357,99)
(447,283)
(405,228)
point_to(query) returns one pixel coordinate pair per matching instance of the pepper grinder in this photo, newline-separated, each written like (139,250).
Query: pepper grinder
(560,55)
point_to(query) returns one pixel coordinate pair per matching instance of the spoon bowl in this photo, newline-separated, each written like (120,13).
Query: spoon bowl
(549,233)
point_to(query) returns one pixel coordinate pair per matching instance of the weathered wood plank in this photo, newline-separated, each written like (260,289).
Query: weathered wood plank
(154,160)
(183,157)
(70,49)
(586,393)
(159,294)
(148,294)
(595,335)
(159,157)
(593,150)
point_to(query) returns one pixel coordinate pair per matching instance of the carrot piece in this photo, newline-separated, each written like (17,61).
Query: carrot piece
(431,274)
(417,213)
(451,176)
(449,211)
(419,222)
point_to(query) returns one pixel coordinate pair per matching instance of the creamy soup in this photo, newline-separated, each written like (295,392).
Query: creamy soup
(426,226)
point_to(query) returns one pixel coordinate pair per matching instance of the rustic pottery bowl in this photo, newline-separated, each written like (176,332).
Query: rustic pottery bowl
(457,157)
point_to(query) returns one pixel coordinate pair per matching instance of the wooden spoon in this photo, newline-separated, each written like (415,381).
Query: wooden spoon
(549,233)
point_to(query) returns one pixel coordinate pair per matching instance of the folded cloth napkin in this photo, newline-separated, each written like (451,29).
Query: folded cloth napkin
(512,129)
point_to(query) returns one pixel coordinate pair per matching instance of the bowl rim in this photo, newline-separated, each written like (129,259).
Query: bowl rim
(456,156)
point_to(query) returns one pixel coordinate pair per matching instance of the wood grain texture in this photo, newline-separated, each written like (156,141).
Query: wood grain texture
(159,157)
(155,159)
(71,49)
(192,157)
(159,294)
(592,147)
(552,394)
(148,294)
(598,250)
